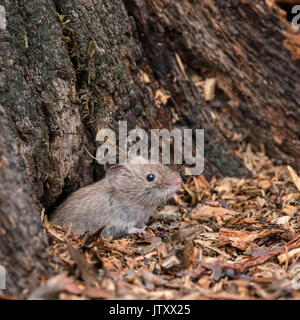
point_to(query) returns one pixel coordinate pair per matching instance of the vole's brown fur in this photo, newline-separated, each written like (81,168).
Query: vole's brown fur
(123,201)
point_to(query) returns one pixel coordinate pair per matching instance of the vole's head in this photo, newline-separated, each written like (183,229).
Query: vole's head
(144,184)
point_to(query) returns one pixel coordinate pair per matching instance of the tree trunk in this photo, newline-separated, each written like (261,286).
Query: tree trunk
(69,68)
(251,50)
(22,244)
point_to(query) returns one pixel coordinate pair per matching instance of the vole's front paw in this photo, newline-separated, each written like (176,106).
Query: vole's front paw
(134,230)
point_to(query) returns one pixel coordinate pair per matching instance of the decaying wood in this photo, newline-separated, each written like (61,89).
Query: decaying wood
(251,50)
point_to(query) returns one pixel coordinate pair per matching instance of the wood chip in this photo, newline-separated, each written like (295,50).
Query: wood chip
(294,177)
(209,89)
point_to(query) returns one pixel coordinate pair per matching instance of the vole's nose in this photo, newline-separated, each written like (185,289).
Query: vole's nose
(173,181)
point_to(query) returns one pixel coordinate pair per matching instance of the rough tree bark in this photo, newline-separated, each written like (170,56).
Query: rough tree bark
(69,68)
(251,50)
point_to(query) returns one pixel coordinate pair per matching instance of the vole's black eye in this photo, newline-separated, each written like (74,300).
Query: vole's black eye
(150,177)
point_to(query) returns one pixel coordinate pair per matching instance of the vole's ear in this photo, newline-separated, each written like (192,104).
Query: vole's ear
(118,176)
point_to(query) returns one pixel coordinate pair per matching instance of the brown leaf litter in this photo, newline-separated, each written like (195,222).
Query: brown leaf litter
(225,239)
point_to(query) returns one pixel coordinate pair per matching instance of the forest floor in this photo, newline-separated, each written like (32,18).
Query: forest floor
(225,239)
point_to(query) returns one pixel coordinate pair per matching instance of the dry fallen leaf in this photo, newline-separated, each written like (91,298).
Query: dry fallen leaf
(161,97)
(209,89)
(151,280)
(236,238)
(294,177)
(144,76)
(87,271)
(205,211)
(289,255)
(264,184)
